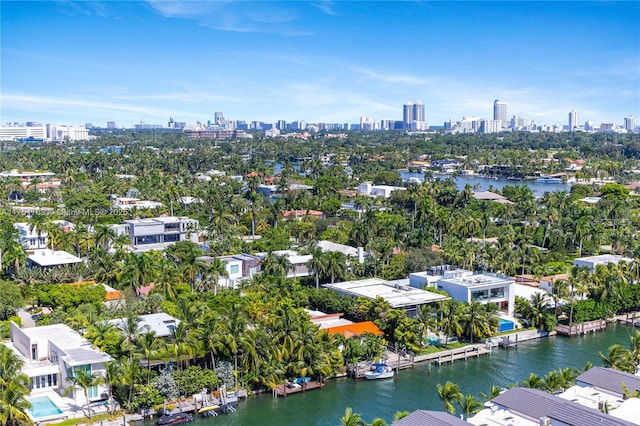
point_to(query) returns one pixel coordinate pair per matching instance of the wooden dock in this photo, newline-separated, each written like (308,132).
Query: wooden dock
(582,328)
(280,390)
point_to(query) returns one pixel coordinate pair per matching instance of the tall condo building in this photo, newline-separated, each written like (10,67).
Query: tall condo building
(573,121)
(413,116)
(500,113)
(629,123)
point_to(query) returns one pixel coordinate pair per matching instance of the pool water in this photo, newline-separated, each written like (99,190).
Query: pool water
(42,406)
(505,325)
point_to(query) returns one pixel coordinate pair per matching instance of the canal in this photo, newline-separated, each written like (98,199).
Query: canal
(416,388)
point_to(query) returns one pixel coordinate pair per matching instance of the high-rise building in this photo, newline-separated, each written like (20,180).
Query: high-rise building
(500,113)
(629,123)
(218,118)
(573,121)
(518,122)
(407,115)
(418,111)
(413,116)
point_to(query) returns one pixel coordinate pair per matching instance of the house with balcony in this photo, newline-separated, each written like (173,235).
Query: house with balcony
(159,232)
(467,286)
(51,353)
(239,267)
(298,261)
(31,240)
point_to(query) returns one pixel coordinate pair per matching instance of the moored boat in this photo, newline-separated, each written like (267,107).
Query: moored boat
(379,371)
(174,419)
(548,179)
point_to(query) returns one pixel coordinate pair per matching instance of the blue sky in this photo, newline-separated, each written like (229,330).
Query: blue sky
(72,62)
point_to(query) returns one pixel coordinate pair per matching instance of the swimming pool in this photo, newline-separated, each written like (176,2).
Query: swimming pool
(42,406)
(505,325)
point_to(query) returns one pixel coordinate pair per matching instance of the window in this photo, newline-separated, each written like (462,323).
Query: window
(234,269)
(34,352)
(54,357)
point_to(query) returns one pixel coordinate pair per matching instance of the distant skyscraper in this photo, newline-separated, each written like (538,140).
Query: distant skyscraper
(218,118)
(407,115)
(500,113)
(418,111)
(573,121)
(413,116)
(629,123)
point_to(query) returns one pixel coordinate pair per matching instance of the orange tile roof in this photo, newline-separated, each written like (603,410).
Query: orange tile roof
(114,295)
(356,329)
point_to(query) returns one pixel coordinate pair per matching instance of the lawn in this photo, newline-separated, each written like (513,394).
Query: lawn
(432,349)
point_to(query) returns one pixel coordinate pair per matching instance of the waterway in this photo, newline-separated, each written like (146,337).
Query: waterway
(416,388)
(484,184)
(481,183)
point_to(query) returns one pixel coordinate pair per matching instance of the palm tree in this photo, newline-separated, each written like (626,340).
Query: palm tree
(38,224)
(148,344)
(495,391)
(13,389)
(533,381)
(351,419)
(81,378)
(317,263)
(618,358)
(469,405)
(475,321)
(448,394)
(215,270)
(104,236)
(450,323)
(336,265)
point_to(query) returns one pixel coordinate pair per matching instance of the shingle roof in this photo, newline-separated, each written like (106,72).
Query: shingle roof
(532,403)
(574,414)
(430,418)
(609,380)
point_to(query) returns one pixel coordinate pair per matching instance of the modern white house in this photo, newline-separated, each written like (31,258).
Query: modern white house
(239,267)
(604,259)
(128,203)
(160,324)
(398,296)
(46,258)
(356,253)
(467,286)
(372,190)
(51,353)
(159,232)
(29,238)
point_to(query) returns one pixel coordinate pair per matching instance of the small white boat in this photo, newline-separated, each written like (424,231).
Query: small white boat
(379,371)
(548,179)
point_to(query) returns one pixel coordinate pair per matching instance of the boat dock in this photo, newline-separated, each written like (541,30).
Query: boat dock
(281,390)
(630,318)
(582,328)
(470,351)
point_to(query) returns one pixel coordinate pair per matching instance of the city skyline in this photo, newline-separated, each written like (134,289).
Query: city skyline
(92,62)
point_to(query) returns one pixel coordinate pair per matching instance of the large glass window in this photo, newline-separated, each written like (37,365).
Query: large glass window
(234,269)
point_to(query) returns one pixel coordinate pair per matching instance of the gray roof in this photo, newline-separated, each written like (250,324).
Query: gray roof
(535,404)
(532,403)
(609,380)
(430,418)
(578,415)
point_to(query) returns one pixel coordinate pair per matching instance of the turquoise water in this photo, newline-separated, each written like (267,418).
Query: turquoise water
(42,406)
(416,388)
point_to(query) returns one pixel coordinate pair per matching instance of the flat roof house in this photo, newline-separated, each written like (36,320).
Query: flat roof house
(397,295)
(46,258)
(160,324)
(467,286)
(372,190)
(50,354)
(159,232)
(299,262)
(604,259)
